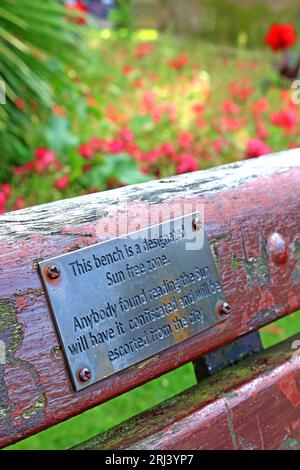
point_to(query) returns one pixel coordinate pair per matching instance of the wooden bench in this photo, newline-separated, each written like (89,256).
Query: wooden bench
(242,401)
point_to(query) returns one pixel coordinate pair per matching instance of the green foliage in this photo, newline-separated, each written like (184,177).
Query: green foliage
(118,167)
(241,22)
(121,16)
(36,46)
(103,417)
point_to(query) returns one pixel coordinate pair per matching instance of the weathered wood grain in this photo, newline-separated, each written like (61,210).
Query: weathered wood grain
(244,204)
(254,405)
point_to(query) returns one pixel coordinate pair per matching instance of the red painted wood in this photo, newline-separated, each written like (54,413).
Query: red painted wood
(241,211)
(253,405)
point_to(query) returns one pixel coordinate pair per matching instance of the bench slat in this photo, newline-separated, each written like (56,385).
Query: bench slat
(252,405)
(244,204)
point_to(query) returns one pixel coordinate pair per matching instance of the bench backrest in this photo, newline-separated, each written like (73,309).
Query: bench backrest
(252,219)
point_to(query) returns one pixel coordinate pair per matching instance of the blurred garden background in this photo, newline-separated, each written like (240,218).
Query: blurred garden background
(97,94)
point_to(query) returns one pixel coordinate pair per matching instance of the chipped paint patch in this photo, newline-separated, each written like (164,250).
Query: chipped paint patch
(38,405)
(10,330)
(231,428)
(291,444)
(288,386)
(257,268)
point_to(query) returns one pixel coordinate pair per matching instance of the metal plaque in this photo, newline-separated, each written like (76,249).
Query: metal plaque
(124,300)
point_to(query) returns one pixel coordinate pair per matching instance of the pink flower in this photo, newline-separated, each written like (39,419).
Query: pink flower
(261,131)
(219,144)
(127,135)
(6,188)
(166,149)
(95,144)
(3,199)
(232,124)
(187,164)
(260,106)
(151,156)
(185,139)
(19,203)
(117,146)
(86,151)
(256,148)
(44,159)
(241,91)
(230,108)
(148,102)
(171,110)
(62,182)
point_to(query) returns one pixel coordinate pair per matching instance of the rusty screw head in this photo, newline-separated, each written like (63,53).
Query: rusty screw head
(277,248)
(224,308)
(53,272)
(197,224)
(84,375)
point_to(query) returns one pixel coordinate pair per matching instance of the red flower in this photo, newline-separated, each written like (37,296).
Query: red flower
(79,7)
(241,91)
(281,36)
(62,182)
(19,104)
(143,50)
(86,151)
(95,144)
(198,108)
(259,106)
(127,69)
(185,139)
(180,62)
(287,119)
(256,148)
(44,159)
(138,83)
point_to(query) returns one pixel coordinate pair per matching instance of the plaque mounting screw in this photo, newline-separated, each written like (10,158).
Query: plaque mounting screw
(84,375)
(53,272)
(196,224)
(224,308)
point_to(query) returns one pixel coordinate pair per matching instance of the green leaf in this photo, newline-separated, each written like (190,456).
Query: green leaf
(141,123)
(97,177)
(126,170)
(58,134)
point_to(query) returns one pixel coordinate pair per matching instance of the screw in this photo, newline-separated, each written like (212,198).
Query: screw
(196,224)
(277,248)
(53,272)
(224,308)
(84,375)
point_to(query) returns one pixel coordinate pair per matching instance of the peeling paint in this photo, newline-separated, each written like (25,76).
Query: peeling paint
(288,386)
(38,405)
(257,268)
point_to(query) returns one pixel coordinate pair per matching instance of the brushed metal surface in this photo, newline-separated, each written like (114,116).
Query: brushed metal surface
(122,301)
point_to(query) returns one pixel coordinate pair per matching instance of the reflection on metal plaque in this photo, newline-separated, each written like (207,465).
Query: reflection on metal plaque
(124,300)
